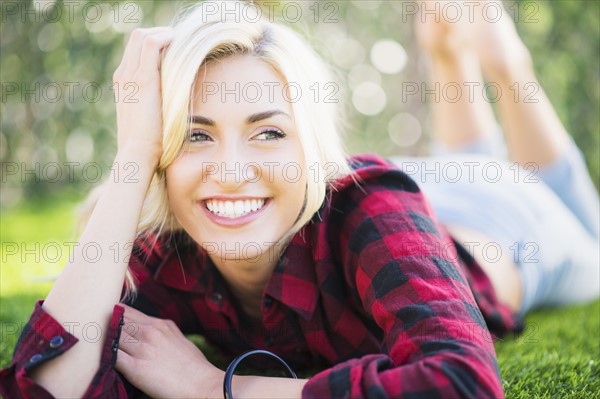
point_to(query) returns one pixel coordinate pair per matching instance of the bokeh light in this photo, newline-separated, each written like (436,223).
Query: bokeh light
(369,98)
(388,56)
(50,37)
(348,53)
(404,129)
(79,146)
(366,4)
(363,73)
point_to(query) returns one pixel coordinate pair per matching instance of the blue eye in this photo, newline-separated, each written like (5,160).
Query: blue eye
(198,136)
(271,135)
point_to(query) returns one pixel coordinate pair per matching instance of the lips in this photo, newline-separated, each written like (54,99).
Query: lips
(232,209)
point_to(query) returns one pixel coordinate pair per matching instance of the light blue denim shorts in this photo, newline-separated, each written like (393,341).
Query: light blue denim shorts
(547,218)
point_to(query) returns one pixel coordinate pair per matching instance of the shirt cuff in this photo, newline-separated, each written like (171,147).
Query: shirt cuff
(44,338)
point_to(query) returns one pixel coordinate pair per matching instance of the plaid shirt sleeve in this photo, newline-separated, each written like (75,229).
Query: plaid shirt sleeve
(44,338)
(404,269)
(39,339)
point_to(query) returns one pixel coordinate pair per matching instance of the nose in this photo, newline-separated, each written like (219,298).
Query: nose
(231,169)
(231,173)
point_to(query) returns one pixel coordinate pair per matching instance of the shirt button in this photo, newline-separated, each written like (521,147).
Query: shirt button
(56,341)
(35,358)
(268,301)
(217,298)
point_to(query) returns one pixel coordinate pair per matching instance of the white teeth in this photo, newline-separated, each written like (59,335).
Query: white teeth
(239,208)
(234,209)
(229,208)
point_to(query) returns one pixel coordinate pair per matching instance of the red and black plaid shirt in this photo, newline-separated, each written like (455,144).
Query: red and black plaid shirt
(373,288)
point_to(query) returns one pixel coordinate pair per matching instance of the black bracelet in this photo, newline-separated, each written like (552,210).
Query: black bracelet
(231,368)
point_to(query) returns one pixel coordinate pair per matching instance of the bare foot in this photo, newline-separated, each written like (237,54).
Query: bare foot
(500,50)
(448,31)
(441,34)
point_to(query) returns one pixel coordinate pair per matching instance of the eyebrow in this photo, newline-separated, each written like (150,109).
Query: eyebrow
(202,120)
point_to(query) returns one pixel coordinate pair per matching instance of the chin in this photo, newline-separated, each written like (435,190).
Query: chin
(236,250)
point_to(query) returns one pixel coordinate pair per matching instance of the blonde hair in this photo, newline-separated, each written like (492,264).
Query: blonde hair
(205,33)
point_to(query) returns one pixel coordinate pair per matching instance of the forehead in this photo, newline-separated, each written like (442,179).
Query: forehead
(239,83)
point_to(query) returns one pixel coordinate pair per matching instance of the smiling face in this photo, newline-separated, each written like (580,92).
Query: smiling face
(239,184)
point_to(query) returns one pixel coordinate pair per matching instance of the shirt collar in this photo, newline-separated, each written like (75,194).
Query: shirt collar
(185,267)
(293,283)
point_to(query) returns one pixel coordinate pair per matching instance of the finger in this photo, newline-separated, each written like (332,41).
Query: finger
(129,341)
(130,332)
(131,55)
(136,316)
(145,50)
(135,321)
(135,39)
(134,43)
(152,48)
(124,362)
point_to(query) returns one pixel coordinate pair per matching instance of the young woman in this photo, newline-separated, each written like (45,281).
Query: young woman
(252,228)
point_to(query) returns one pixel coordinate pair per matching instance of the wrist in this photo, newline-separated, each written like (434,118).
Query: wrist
(129,170)
(143,154)
(245,386)
(210,386)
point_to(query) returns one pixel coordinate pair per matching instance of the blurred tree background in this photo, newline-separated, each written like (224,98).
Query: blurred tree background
(57,131)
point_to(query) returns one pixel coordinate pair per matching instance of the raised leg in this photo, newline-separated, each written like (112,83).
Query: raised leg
(460,51)
(532,130)
(453,61)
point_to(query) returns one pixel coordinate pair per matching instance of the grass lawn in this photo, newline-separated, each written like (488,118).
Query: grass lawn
(557,356)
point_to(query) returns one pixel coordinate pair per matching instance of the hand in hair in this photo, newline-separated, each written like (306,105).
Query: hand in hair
(138,92)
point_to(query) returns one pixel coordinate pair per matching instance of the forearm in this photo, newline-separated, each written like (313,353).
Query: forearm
(92,280)
(267,387)
(258,387)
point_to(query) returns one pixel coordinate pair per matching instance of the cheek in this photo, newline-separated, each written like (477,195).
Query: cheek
(172,190)
(295,172)
(296,190)
(172,183)
(182,175)
(178,184)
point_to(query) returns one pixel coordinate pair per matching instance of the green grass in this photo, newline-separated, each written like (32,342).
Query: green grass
(557,356)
